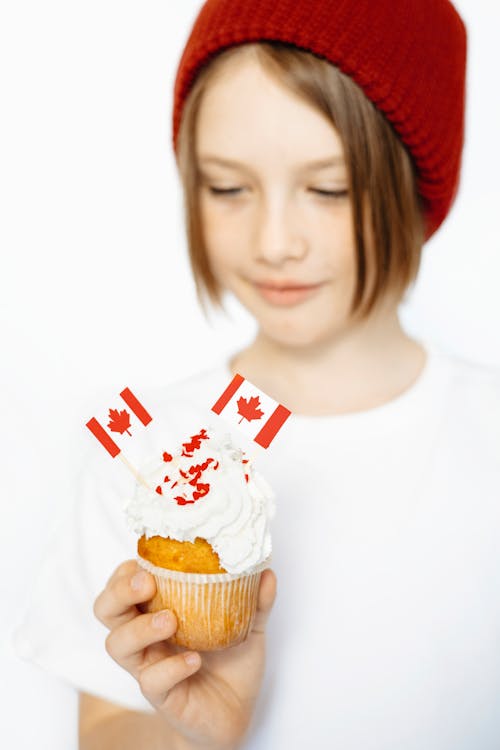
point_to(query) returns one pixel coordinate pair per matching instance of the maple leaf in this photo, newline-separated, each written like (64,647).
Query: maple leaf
(248,408)
(182,500)
(201,491)
(198,469)
(194,444)
(167,456)
(119,421)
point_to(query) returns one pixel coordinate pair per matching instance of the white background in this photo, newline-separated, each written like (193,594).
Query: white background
(95,288)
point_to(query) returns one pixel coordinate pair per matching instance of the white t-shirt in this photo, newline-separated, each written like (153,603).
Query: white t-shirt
(385,634)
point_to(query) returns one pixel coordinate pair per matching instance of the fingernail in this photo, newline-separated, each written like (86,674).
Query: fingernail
(160,619)
(192,659)
(138,580)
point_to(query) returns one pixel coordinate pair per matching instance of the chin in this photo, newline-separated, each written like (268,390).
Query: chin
(303,335)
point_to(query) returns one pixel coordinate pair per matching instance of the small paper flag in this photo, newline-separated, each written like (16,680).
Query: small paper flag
(254,412)
(122,424)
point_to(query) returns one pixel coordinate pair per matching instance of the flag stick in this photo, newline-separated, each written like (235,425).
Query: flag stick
(134,471)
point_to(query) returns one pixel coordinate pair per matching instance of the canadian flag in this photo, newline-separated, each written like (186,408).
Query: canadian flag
(255,413)
(122,422)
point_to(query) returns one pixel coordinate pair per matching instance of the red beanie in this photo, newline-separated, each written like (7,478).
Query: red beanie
(408,56)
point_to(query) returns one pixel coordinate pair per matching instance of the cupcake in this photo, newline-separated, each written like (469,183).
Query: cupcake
(204,526)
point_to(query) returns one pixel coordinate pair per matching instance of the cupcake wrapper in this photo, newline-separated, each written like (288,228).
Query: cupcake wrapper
(213,610)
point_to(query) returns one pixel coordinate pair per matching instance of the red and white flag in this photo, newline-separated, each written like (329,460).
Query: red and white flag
(117,428)
(255,413)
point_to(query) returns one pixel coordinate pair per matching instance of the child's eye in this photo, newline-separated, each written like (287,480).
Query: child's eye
(223,191)
(330,193)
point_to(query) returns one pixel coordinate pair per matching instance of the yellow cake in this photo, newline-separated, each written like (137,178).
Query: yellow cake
(189,557)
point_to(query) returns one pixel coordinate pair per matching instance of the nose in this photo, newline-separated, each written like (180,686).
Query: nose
(279,238)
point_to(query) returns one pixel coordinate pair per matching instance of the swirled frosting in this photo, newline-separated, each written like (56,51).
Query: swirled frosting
(208,489)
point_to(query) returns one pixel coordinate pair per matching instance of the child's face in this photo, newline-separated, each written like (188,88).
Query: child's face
(276,229)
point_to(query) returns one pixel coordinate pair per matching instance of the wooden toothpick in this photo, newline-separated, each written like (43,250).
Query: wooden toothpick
(134,471)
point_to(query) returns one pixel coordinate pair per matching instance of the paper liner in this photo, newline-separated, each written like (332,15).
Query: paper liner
(213,610)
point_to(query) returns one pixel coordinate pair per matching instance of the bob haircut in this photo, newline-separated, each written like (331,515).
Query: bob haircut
(388,227)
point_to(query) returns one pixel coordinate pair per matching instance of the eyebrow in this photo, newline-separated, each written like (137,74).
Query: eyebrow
(331,161)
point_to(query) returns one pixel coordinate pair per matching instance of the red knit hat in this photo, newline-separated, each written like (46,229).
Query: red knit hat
(408,56)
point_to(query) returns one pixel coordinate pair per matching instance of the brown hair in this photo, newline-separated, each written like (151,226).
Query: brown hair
(378,166)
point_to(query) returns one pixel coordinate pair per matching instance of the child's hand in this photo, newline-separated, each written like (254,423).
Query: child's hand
(209,701)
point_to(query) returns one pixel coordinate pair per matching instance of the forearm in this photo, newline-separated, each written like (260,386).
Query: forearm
(129,730)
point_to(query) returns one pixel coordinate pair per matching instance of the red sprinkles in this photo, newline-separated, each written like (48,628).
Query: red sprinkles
(195,472)
(194,443)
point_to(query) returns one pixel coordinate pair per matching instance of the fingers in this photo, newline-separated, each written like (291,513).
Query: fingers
(157,680)
(129,566)
(127,642)
(267,596)
(137,642)
(129,585)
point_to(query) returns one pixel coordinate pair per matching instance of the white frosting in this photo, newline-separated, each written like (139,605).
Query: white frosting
(234,516)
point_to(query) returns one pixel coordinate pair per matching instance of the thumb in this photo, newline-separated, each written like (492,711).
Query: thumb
(267,596)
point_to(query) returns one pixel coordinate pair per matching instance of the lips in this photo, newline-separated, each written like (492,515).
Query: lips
(286,292)
(282,285)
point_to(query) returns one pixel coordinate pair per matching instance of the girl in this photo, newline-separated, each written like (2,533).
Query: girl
(319,146)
